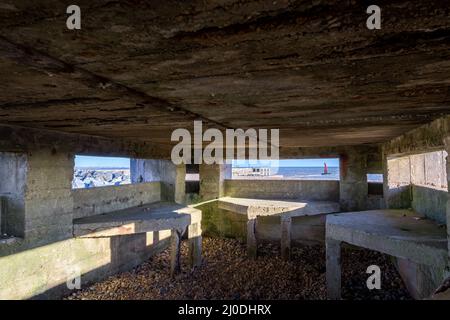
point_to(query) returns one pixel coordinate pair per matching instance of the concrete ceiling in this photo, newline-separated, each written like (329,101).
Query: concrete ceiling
(139,69)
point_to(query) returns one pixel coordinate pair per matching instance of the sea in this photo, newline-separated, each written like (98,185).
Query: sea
(312,173)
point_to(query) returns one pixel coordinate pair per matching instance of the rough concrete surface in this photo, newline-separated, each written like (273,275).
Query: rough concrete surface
(137,70)
(401,233)
(259,207)
(283,189)
(312,69)
(88,202)
(146,218)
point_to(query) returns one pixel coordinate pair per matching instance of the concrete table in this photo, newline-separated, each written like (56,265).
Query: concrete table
(286,209)
(147,218)
(399,233)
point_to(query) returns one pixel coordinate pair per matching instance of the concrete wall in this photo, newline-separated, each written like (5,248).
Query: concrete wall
(430,202)
(416,176)
(375,202)
(223,223)
(428,169)
(104,199)
(171,176)
(419,182)
(426,138)
(42,272)
(304,230)
(283,189)
(212,180)
(39,264)
(48,196)
(397,183)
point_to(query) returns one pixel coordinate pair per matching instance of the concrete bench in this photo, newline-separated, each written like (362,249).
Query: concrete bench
(286,209)
(147,218)
(399,233)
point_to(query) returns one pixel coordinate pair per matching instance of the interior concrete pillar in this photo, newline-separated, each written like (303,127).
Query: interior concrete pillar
(175,253)
(171,176)
(353,180)
(333,269)
(48,195)
(252,241)
(173,185)
(286,223)
(212,180)
(195,244)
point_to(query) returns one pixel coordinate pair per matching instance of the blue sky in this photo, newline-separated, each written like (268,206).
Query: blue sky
(292,163)
(107,162)
(101,162)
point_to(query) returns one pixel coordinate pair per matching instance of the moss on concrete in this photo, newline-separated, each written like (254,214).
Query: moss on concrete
(222,223)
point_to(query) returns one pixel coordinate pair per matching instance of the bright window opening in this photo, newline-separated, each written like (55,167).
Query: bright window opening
(375,177)
(375,184)
(91,172)
(292,169)
(192,173)
(192,183)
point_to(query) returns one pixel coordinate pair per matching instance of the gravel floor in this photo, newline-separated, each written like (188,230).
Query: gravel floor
(227,274)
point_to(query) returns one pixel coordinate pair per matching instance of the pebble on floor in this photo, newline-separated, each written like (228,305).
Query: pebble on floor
(227,273)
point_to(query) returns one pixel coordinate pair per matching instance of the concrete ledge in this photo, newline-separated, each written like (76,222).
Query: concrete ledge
(152,217)
(290,208)
(146,218)
(285,209)
(399,233)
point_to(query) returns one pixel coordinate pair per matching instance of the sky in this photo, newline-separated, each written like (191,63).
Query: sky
(107,162)
(101,162)
(334,162)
